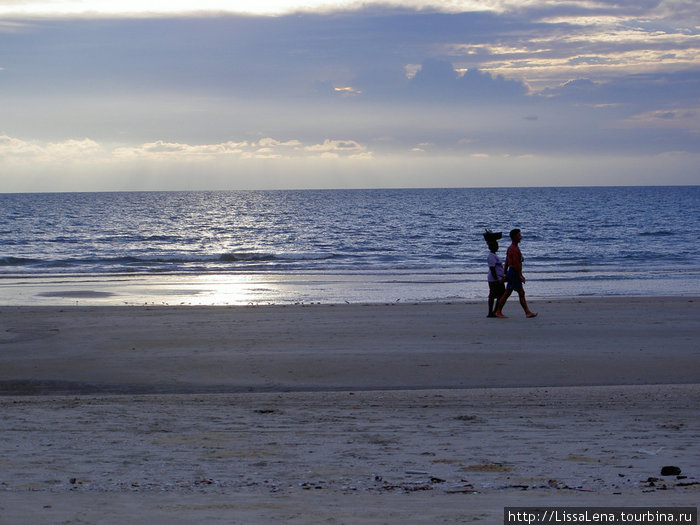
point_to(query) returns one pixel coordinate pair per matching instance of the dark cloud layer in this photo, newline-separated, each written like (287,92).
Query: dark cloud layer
(291,55)
(661,88)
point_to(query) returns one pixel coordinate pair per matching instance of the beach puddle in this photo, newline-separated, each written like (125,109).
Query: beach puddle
(76,294)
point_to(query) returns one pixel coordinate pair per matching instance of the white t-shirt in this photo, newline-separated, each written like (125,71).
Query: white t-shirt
(495,262)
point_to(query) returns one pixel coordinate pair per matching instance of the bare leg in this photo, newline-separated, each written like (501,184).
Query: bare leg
(492,298)
(501,304)
(523,303)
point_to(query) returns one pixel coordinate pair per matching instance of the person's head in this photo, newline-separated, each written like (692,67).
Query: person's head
(515,235)
(493,246)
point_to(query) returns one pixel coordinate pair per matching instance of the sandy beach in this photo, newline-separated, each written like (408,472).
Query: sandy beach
(382,413)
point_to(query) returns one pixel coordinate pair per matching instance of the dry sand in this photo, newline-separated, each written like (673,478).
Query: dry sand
(345,414)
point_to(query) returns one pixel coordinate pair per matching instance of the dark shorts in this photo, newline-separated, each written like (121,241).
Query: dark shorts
(513,280)
(496,289)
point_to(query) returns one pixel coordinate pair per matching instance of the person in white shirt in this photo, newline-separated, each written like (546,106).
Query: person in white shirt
(496,277)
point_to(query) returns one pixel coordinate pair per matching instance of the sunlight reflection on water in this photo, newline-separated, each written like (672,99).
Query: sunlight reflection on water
(240,289)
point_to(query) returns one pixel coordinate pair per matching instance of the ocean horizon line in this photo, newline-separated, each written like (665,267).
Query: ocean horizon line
(341,189)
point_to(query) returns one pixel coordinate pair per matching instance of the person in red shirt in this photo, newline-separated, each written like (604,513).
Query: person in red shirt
(514,276)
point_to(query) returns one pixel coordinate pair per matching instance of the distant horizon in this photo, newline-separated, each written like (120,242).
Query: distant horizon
(364,189)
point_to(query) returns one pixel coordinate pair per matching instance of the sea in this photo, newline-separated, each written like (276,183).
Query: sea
(343,246)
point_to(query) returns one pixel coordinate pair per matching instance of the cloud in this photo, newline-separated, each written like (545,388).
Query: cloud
(327,54)
(686,119)
(13,147)
(554,42)
(68,150)
(161,150)
(336,146)
(437,80)
(128,8)
(268,142)
(89,150)
(13,27)
(678,88)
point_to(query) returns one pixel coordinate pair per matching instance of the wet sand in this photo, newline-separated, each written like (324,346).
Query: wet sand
(348,413)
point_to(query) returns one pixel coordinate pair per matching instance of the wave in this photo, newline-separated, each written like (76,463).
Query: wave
(284,256)
(660,233)
(136,238)
(246,256)
(165,261)
(17,261)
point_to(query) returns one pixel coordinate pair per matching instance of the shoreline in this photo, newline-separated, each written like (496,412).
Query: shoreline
(291,288)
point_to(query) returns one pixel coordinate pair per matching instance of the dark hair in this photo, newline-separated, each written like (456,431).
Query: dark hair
(514,232)
(493,246)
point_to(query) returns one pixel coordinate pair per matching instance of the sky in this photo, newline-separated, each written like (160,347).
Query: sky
(111,96)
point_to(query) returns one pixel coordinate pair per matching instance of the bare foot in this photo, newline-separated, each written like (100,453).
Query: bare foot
(501,316)
(530,315)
